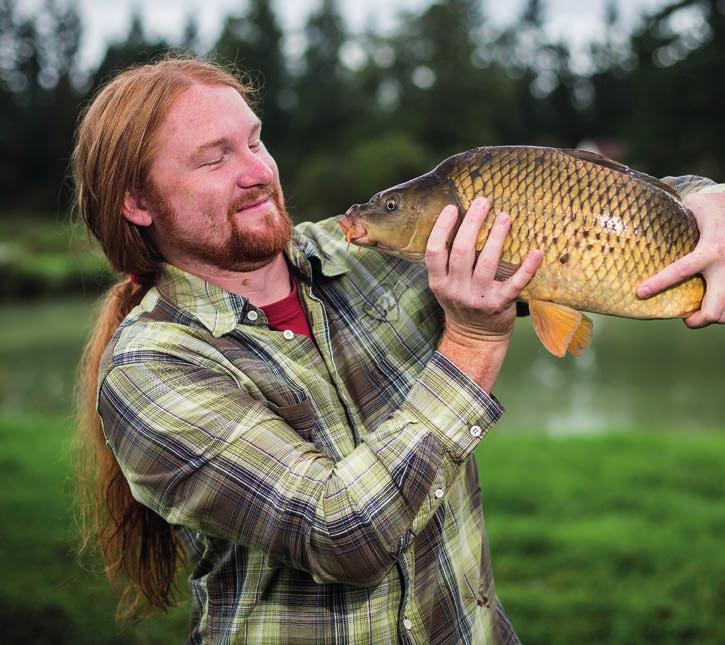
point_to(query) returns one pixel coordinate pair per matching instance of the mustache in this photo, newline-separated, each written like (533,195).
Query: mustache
(251,197)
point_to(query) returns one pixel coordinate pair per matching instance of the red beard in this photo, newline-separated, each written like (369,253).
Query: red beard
(239,251)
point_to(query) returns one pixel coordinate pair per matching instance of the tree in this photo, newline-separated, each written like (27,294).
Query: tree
(676,123)
(38,101)
(136,48)
(323,99)
(253,43)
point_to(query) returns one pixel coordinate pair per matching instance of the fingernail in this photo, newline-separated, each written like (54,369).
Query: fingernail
(644,292)
(502,218)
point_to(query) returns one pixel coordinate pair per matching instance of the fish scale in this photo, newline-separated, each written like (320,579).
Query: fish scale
(603,228)
(553,198)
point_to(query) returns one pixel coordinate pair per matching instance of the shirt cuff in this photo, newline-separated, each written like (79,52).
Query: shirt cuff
(452,406)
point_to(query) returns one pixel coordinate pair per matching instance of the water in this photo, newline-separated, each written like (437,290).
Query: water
(636,375)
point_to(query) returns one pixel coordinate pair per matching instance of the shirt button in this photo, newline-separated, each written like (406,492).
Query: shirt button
(252,315)
(439,493)
(288,334)
(475,431)
(408,624)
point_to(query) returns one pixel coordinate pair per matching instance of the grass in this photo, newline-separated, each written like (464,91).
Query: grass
(46,595)
(606,538)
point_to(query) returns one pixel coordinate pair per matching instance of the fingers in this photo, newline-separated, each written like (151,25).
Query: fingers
(671,275)
(436,251)
(712,309)
(513,286)
(490,255)
(463,250)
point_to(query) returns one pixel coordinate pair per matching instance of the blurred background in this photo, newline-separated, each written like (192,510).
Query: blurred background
(603,487)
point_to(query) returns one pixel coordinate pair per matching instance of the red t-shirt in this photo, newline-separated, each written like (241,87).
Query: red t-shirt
(288,314)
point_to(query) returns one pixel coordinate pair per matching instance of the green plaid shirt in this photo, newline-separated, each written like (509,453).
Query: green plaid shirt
(325,491)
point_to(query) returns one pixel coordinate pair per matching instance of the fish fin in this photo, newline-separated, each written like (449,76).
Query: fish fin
(556,326)
(505,270)
(601,160)
(582,337)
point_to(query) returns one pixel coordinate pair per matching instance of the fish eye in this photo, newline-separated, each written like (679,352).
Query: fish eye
(391,204)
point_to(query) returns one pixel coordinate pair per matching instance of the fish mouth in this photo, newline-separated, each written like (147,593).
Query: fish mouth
(355,230)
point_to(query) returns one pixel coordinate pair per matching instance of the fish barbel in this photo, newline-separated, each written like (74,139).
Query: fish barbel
(603,228)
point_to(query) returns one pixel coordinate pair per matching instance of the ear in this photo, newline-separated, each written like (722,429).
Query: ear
(135,209)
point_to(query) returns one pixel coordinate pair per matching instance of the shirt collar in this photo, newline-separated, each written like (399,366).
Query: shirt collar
(220,311)
(309,258)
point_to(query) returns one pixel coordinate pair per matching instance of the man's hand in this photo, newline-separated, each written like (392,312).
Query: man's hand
(480,311)
(708,258)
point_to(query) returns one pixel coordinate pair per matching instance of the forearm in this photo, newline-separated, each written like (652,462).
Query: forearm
(225,465)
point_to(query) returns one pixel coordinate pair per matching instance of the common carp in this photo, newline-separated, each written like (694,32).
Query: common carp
(603,228)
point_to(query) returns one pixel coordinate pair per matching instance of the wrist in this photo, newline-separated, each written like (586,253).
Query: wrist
(471,336)
(479,357)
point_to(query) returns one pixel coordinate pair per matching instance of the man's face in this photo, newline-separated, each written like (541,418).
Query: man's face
(214,192)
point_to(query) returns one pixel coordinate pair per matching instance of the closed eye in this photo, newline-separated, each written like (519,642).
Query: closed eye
(214,162)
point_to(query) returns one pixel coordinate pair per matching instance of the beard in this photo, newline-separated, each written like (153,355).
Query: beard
(227,243)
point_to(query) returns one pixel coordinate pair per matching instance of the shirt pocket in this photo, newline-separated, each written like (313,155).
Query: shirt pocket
(302,417)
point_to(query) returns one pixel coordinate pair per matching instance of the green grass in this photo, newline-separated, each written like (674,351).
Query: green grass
(606,538)
(609,539)
(46,596)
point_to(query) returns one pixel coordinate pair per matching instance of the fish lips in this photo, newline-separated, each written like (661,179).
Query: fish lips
(352,226)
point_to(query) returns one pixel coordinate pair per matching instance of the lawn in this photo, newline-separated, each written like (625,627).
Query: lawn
(610,537)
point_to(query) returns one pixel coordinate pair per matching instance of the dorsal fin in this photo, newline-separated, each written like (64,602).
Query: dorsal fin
(606,162)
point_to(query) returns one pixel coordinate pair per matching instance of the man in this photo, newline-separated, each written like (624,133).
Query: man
(289,412)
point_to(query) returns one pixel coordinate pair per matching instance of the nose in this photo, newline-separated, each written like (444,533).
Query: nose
(255,170)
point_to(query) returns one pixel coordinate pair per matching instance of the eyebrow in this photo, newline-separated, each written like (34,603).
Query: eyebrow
(221,141)
(208,146)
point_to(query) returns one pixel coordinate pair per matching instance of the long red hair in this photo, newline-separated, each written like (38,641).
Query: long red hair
(116,142)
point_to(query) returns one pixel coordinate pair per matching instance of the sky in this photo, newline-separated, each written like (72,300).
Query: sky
(577,21)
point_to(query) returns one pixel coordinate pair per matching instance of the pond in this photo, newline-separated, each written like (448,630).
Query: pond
(636,374)
(646,375)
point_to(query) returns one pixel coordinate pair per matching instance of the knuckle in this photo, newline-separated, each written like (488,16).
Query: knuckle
(486,265)
(710,316)
(432,254)
(456,298)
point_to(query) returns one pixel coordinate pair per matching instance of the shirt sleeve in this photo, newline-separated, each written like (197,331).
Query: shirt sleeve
(687,184)
(203,453)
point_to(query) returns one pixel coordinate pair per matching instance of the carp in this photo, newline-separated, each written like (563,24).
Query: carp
(603,228)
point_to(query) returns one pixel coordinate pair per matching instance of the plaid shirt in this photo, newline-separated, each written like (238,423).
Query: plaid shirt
(325,491)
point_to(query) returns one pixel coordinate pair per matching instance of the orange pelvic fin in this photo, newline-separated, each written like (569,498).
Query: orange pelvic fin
(560,328)
(582,337)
